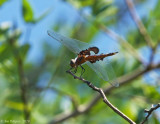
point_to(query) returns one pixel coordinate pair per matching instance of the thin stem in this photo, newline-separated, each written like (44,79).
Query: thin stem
(150,112)
(139,23)
(104,97)
(23,87)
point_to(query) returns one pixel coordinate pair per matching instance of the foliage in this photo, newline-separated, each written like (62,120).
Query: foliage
(2,2)
(42,92)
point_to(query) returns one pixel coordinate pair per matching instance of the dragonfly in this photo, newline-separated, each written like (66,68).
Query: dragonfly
(85,56)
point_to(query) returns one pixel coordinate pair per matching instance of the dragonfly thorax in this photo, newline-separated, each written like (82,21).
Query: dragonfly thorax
(73,63)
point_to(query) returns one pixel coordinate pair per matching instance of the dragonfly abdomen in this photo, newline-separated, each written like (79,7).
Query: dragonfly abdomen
(95,58)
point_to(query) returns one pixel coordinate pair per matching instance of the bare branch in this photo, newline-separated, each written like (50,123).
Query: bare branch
(124,80)
(104,97)
(139,23)
(149,112)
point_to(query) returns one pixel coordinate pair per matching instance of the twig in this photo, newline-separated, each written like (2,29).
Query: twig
(124,80)
(23,87)
(22,79)
(151,58)
(103,96)
(149,112)
(139,23)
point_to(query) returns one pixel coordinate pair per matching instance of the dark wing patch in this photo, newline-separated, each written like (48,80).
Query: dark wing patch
(94,49)
(87,51)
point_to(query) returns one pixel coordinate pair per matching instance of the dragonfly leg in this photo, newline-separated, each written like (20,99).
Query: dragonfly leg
(74,71)
(70,69)
(83,70)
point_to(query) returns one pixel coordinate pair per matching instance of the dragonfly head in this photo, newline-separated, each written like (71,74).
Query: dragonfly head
(73,63)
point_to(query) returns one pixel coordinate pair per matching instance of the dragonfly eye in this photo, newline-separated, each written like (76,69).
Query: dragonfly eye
(72,63)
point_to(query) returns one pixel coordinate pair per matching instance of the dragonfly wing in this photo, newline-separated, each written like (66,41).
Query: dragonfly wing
(72,44)
(76,46)
(105,71)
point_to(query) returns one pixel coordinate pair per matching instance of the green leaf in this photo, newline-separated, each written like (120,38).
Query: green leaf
(14,105)
(155,12)
(27,11)
(135,39)
(2,2)
(80,3)
(86,2)
(43,15)
(99,7)
(151,92)
(103,9)
(5,52)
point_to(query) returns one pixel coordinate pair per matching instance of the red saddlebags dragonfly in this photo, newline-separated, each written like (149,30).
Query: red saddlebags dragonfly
(84,56)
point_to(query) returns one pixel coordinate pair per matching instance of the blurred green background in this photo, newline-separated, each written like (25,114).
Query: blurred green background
(34,85)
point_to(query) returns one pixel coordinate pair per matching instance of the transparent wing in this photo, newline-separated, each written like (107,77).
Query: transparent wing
(102,68)
(74,45)
(105,71)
